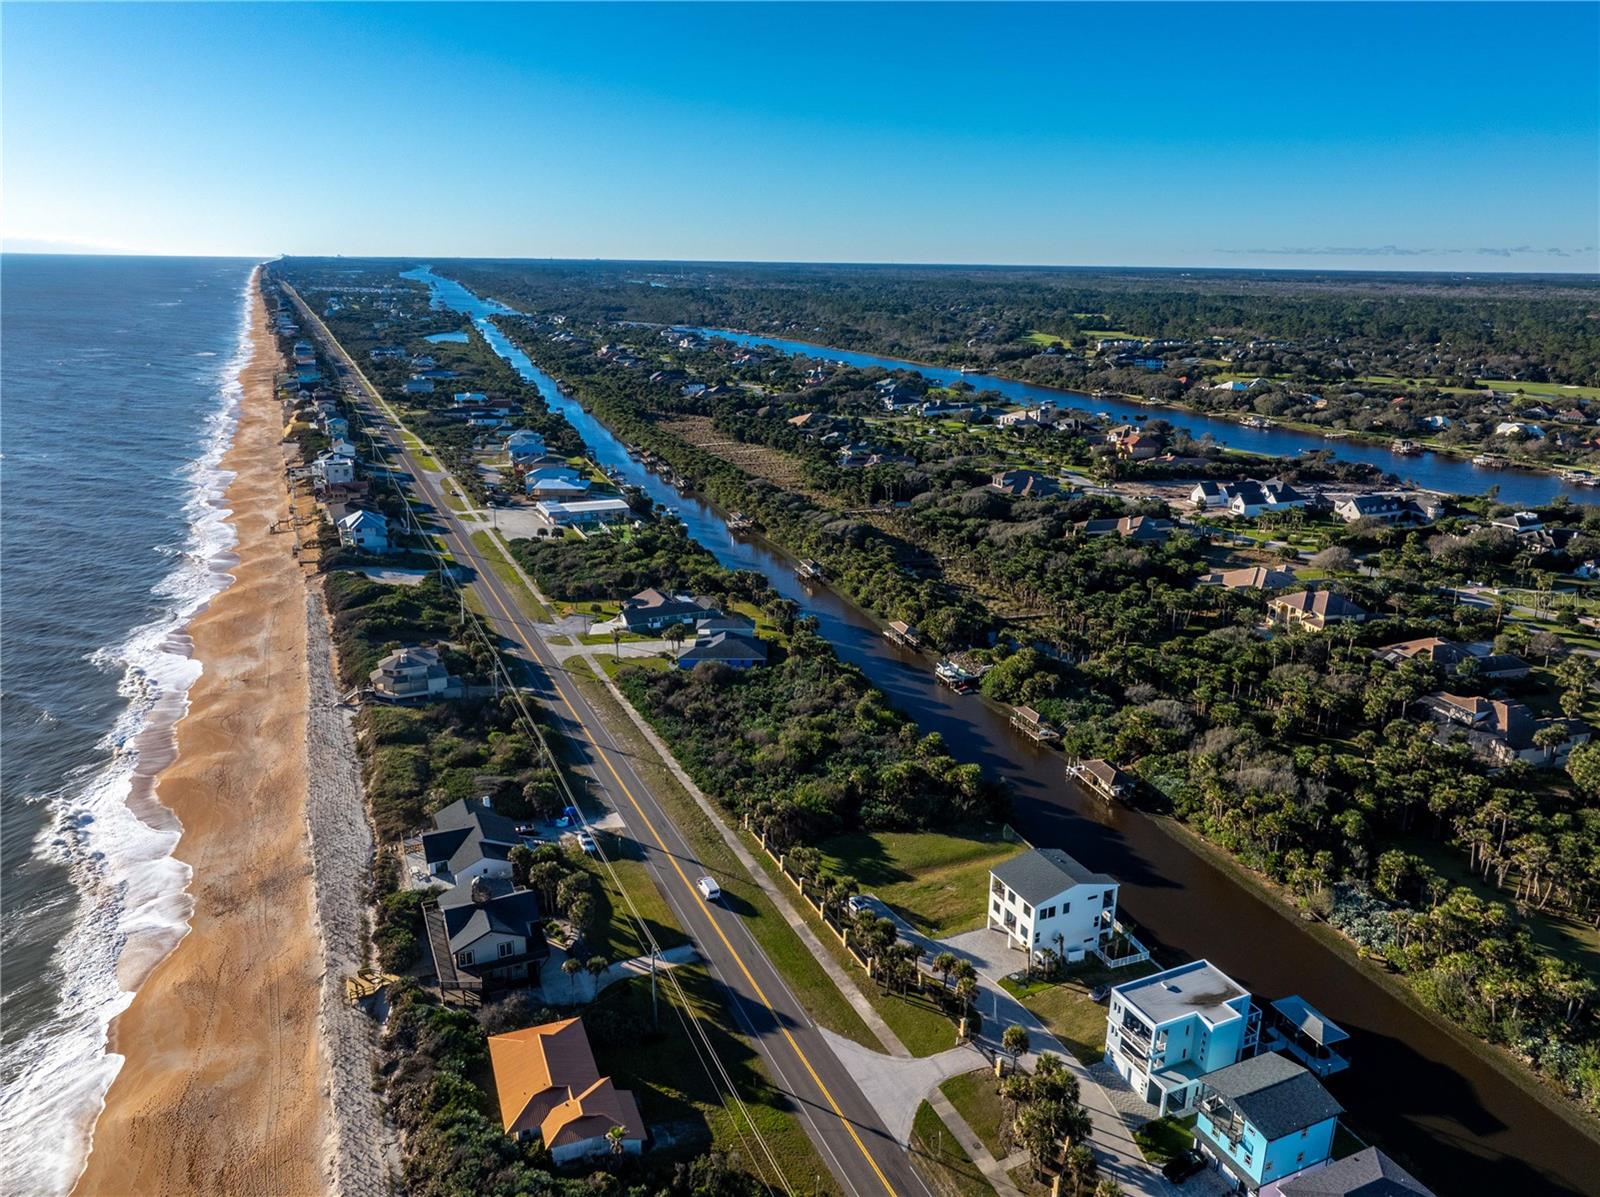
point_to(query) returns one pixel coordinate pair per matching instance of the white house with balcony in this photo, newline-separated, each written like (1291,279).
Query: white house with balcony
(1046,899)
(1165,1032)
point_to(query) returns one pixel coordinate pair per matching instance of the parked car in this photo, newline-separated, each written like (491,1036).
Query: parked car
(856,903)
(1182,1166)
(586,842)
(709,889)
(1099,993)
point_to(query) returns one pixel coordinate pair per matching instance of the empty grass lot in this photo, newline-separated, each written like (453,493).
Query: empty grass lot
(976,1098)
(940,1158)
(922,1026)
(1067,1010)
(939,883)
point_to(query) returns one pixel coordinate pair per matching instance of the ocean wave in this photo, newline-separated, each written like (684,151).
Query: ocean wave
(110,832)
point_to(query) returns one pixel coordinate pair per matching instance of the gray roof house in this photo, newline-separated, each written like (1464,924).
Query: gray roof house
(412,673)
(469,840)
(733,649)
(651,610)
(1367,1173)
(1045,900)
(1264,1119)
(484,934)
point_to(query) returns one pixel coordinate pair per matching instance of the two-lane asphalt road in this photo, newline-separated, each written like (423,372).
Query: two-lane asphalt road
(848,1134)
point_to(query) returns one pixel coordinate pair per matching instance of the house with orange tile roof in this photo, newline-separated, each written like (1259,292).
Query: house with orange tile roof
(548,1086)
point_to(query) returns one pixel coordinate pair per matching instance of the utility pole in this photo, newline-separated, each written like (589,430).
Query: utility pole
(655,1015)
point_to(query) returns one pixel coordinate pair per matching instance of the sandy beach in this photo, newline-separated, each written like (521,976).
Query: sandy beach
(223,1089)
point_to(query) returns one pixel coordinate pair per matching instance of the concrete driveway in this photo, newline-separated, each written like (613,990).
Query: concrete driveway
(1111,1137)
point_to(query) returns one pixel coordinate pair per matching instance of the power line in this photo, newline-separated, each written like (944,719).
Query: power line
(699,1041)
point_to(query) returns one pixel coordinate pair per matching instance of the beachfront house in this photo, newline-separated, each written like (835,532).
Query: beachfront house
(334,469)
(469,839)
(1044,900)
(1024,484)
(555,482)
(485,934)
(557,514)
(1164,1032)
(365,530)
(1467,660)
(412,673)
(1314,610)
(1247,498)
(735,650)
(651,610)
(1264,1119)
(550,1088)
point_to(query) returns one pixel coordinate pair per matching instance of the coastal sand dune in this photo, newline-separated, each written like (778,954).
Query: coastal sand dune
(222,1088)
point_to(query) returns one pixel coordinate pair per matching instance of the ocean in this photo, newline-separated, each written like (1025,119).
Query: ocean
(119,385)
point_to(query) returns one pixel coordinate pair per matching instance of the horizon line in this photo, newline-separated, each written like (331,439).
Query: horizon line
(818,262)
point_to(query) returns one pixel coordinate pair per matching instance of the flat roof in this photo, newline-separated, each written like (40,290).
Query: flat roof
(1196,988)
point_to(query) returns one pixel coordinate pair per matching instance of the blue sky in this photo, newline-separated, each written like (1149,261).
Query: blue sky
(1363,136)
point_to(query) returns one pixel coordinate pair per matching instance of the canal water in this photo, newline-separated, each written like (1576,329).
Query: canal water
(1464,1126)
(1432,471)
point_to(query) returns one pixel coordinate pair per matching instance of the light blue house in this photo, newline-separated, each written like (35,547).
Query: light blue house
(1165,1032)
(1264,1119)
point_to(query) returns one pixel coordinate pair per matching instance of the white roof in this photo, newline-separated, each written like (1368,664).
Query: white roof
(362,516)
(556,506)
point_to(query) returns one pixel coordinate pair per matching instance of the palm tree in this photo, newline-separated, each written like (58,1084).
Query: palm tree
(966,992)
(1015,1041)
(674,635)
(596,965)
(572,966)
(944,964)
(614,1139)
(1079,1166)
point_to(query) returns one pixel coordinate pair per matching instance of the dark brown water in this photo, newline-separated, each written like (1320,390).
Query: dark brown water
(1425,1095)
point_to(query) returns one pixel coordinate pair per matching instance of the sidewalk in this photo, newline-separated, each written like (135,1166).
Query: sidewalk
(861,1062)
(1110,1137)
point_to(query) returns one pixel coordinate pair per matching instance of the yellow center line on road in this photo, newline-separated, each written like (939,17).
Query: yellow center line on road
(695,896)
(606,758)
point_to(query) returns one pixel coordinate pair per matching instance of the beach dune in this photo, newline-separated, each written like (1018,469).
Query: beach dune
(222,1089)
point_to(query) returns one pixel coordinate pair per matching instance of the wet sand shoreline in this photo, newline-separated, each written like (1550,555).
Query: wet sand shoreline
(222,1086)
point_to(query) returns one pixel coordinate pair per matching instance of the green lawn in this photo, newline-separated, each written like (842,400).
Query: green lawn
(485,543)
(922,1026)
(424,458)
(631,890)
(1067,1010)
(1547,390)
(1165,1138)
(941,1161)
(938,882)
(976,1098)
(663,1067)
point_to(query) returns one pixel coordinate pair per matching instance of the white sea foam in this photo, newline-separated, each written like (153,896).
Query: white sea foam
(116,840)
